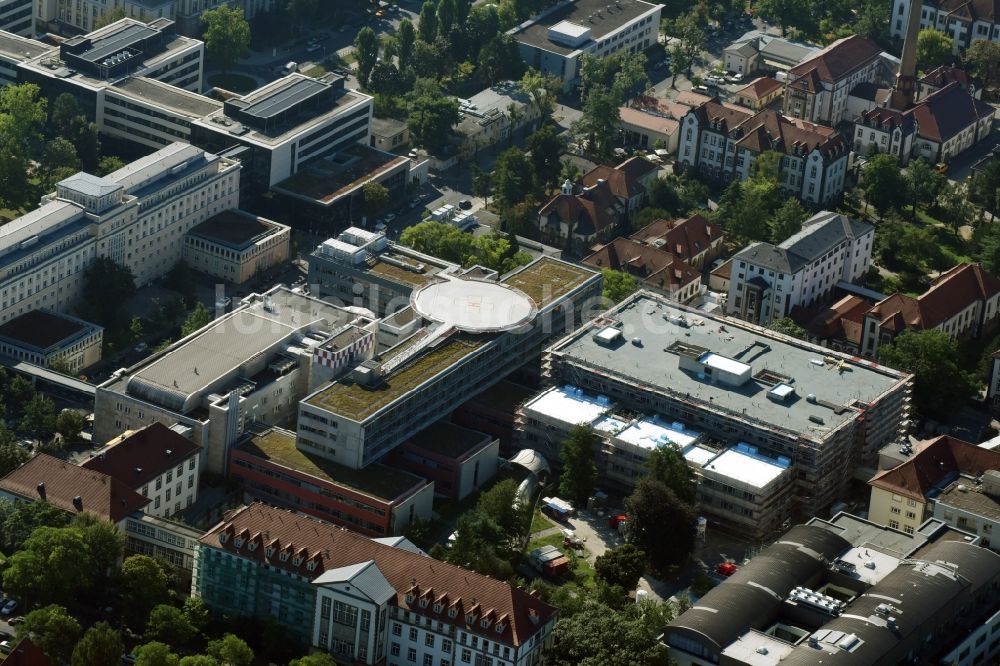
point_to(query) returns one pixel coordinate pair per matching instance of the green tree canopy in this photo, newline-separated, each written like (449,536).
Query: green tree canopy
(923,184)
(376,196)
(622,566)
(617,285)
(198,660)
(227,35)
(100,646)
(155,653)
(933,48)
(513,177)
(12,456)
(427,23)
(545,148)
(196,612)
(144,585)
(667,465)
(406,36)
(599,636)
(366,50)
(53,630)
(19,519)
(54,565)
(659,523)
(983,58)
(199,318)
(430,121)
(503,505)
(109,17)
(170,625)
(788,326)
(317,659)
(882,183)
(940,384)
(104,541)
(578,453)
(231,650)
(106,286)
(69,425)
(787,220)
(39,418)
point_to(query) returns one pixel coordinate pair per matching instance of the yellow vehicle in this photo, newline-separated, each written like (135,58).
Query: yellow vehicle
(941,167)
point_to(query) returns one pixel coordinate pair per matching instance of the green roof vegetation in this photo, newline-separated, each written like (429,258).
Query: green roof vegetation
(358,402)
(547,279)
(401,275)
(447,439)
(377,480)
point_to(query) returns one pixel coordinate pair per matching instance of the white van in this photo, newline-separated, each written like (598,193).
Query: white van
(291,67)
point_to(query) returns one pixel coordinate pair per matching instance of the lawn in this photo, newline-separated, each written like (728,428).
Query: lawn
(315,71)
(581,571)
(539,522)
(237,83)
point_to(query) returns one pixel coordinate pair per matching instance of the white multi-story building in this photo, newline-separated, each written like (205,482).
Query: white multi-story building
(818,89)
(76,15)
(964,22)
(769,280)
(554,41)
(17,17)
(135,216)
(722,141)
(158,463)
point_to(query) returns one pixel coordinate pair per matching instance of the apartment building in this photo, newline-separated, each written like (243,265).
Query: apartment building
(694,239)
(885,130)
(366,269)
(365,601)
(236,246)
(654,268)
(964,302)
(134,216)
(282,125)
(553,41)
(493,115)
(44,337)
(722,141)
(78,490)
(817,89)
(157,462)
(736,485)
(378,500)
(477,331)
(759,93)
(846,591)
(768,281)
(945,478)
(17,17)
(964,22)
(71,16)
(738,382)
(759,51)
(249,366)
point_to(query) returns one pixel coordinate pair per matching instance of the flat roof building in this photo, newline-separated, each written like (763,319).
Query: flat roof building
(235,246)
(553,41)
(725,378)
(43,337)
(281,126)
(846,591)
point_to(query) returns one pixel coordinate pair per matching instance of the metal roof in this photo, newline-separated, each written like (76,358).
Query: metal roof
(364,577)
(89,184)
(285,98)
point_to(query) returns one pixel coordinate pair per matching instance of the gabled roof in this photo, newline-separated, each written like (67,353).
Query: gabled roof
(313,547)
(364,577)
(838,59)
(48,479)
(947,112)
(842,320)
(819,234)
(941,76)
(26,653)
(685,238)
(770,130)
(983,10)
(759,88)
(934,465)
(137,457)
(727,116)
(623,180)
(655,267)
(886,119)
(584,215)
(648,121)
(948,295)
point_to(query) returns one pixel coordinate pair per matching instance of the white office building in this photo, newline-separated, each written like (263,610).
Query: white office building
(964,22)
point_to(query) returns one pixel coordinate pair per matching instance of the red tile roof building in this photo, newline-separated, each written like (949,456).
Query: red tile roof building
(964,21)
(695,240)
(816,90)
(656,269)
(759,93)
(365,599)
(26,653)
(71,488)
(941,76)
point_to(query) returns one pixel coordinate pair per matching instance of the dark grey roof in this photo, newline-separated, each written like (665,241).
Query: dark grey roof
(820,233)
(976,564)
(752,596)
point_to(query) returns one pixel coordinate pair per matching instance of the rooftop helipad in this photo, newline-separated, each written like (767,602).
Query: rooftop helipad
(474,306)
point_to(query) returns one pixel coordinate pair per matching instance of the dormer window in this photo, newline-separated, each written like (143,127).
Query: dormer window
(253,545)
(311,565)
(500,627)
(409,597)
(238,542)
(437,608)
(296,561)
(223,537)
(423,603)
(485,623)
(453,613)
(269,551)
(283,557)
(470,618)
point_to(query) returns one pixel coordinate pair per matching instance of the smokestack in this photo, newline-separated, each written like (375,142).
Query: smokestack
(41,490)
(904,92)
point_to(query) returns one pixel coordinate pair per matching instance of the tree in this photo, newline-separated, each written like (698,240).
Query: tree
(406,35)
(983,58)
(617,285)
(482,183)
(196,612)
(106,287)
(169,624)
(109,164)
(227,35)
(69,425)
(502,504)
(303,11)
(667,465)
(922,185)
(53,565)
(787,220)
(445,17)
(882,183)
(376,196)
(60,157)
(105,544)
(599,121)
(680,61)
(109,17)
(316,659)
(659,523)
(933,48)
(230,650)
(100,646)
(18,520)
(64,110)
(691,40)
(199,318)
(481,545)
(940,385)
(787,326)
(12,456)
(545,148)
(366,50)
(53,630)
(622,566)
(144,585)
(430,121)
(23,115)
(155,653)
(39,418)
(427,24)
(598,636)
(984,187)
(786,13)
(578,453)
(513,177)
(499,60)
(541,89)
(85,136)
(198,660)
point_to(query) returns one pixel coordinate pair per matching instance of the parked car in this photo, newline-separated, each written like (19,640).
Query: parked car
(141,347)
(313,48)
(465,204)
(14,621)
(9,607)
(736,78)
(6,646)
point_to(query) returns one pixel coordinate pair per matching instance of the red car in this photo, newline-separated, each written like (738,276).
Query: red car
(725,569)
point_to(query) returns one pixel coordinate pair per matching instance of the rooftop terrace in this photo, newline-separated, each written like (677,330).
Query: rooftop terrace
(380,481)
(358,402)
(654,363)
(547,279)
